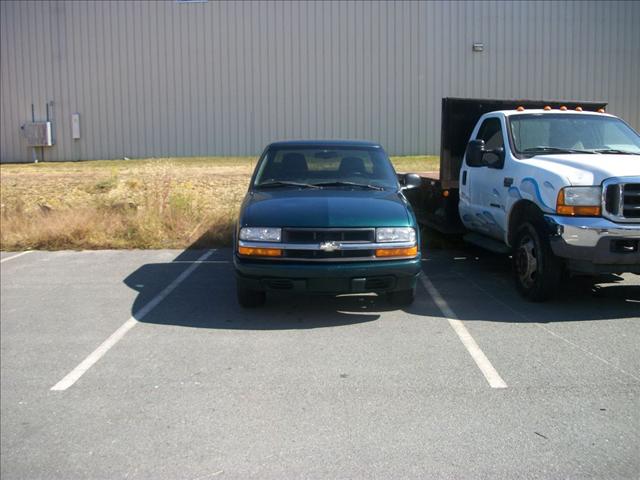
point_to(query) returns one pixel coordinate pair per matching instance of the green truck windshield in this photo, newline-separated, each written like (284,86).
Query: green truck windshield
(324,167)
(571,133)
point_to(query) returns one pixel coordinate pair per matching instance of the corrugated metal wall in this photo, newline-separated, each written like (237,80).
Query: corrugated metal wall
(225,78)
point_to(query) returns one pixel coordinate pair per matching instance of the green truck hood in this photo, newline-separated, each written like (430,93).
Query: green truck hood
(325,209)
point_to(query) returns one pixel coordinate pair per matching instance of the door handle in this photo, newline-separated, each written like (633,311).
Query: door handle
(508,181)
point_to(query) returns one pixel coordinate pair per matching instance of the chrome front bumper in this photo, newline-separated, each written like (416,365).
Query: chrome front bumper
(595,244)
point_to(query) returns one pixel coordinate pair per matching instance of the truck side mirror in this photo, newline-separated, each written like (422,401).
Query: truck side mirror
(411,180)
(474,153)
(493,158)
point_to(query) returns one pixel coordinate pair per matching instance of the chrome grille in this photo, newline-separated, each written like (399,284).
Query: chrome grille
(631,200)
(303,236)
(621,199)
(313,235)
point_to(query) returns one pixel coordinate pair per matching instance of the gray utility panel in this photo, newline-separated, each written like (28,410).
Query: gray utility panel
(38,134)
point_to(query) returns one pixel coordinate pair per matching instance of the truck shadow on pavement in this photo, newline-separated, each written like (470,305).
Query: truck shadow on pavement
(207,299)
(479,286)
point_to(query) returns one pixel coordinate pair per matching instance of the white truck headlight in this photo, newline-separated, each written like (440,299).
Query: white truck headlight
(582,195)
(261,234)
(579,201)
(404,234)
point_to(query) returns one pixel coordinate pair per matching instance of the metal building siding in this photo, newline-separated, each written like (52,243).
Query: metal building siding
(225,78)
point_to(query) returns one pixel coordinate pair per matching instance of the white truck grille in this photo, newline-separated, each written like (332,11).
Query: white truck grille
(621,199)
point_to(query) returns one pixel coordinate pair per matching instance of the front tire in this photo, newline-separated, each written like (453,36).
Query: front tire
(248,298)
(537,270)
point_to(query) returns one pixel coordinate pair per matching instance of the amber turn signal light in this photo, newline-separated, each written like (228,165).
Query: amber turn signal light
(259,252)
(397,252)
(576,210)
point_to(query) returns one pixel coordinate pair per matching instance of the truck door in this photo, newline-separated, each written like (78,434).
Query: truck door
(482,187)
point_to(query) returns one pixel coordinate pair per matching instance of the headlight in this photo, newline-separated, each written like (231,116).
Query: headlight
(261,234)
(580,201)
(395,235)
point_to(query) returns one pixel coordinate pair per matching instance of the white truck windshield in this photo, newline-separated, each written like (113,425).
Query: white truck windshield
(533,134)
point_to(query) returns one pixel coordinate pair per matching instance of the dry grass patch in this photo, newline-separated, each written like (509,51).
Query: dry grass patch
(150,203)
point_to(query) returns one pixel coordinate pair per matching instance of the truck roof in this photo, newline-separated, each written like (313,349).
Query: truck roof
(540,111)
(324,143)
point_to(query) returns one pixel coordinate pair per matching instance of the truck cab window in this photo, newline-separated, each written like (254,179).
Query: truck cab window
(491,132)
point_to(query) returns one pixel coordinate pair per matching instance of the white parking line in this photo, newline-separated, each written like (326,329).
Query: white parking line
(15,256)
(549,331)
(485,366)
(75,374)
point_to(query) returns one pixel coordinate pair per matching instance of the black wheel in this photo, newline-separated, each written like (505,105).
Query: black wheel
(249,298)
(402,298)
(537,270)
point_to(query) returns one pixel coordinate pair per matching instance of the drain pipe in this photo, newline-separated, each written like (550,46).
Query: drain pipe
(34,153)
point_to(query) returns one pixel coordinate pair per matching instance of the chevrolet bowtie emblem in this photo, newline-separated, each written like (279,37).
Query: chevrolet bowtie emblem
(329,246)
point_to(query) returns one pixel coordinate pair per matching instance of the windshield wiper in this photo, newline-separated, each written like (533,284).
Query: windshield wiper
(284,183)
(544,148)
(615,150)
(348,184)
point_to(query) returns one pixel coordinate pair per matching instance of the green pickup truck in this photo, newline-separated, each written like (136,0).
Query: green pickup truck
(327,217)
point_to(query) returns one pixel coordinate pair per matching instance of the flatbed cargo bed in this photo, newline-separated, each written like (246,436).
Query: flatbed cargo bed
(433,175)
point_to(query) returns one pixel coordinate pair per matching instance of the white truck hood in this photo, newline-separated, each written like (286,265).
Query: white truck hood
(588,169)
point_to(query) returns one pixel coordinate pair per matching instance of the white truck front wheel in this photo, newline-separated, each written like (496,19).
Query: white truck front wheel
(537,270)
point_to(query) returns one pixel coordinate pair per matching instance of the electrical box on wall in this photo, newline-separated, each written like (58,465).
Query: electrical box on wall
(38,134)
(75,126)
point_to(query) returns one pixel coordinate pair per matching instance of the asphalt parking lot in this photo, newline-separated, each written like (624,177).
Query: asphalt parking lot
(139,364)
